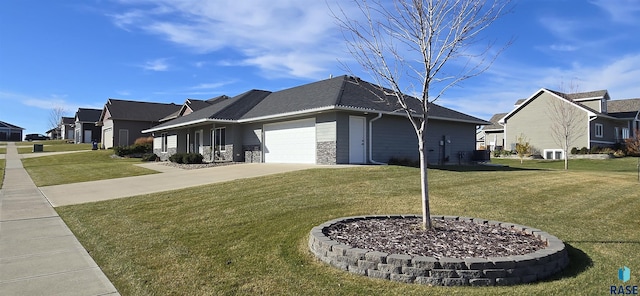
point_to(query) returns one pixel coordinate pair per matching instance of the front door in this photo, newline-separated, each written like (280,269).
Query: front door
(357,145)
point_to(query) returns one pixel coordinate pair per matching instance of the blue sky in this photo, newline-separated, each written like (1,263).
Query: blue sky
(79,53)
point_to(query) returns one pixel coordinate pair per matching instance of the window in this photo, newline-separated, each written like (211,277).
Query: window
(220,139)
(553,154)
(625,133)
(599,130)
(164,142)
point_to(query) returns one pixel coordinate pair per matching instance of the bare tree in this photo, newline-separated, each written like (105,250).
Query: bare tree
(55,118)
(523,147)
(423,48)
(566,123)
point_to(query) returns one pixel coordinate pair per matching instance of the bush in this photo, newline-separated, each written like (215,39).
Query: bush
(506,152)
(149,157)
(584,150)
(135,149)
(404,162)
(595,149)
(186,158)
(619,153)
(574,150)
(497,153)
(143,141)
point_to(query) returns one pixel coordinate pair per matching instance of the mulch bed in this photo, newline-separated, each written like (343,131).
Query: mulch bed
(197,166)
(449,238)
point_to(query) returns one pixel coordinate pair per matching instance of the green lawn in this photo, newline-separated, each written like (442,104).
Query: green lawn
(250,236)
(52,146)
(626,164)
(81,167)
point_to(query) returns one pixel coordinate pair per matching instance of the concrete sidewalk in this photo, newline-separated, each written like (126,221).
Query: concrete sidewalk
(39,255)
(169,179)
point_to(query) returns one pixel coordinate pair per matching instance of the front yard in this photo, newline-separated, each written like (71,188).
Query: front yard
(81,167)
(250,236)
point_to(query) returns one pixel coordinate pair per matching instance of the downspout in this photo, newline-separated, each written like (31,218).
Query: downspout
(371,140)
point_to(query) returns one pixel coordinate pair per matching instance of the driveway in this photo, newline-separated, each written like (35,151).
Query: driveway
(168,179)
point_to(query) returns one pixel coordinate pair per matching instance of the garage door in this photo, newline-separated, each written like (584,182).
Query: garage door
(290,141)
(107,138)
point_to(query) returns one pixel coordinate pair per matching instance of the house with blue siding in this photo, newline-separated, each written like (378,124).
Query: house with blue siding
(341,120)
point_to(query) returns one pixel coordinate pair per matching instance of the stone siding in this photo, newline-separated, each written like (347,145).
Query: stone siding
(226,155)
(326,152)
(493,271)
(164,156)
(252,153)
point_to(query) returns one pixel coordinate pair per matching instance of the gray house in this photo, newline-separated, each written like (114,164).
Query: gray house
(333,121)
(122,121)
(10,132)
(85,127)
(606,122)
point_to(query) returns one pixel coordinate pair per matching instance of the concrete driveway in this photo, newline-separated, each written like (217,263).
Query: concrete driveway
(169,179)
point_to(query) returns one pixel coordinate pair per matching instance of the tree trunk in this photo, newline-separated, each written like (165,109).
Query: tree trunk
(426,213)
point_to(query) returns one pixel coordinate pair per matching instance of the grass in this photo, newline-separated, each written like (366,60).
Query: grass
(81,167)
(52,146)
(250,236)
(625,164)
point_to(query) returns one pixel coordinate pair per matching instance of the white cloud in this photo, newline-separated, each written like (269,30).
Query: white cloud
(623,11)
(212,85)
(289,37)
(158,65)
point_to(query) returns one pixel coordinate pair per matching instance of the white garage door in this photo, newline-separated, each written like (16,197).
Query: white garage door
(107,138)
(290,142)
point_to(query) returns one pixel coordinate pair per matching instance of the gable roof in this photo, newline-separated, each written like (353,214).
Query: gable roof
(88,115)
(629,108)
(69,120)
(137,111)
(340,93)
(9,126)
(495,125)
(559,95)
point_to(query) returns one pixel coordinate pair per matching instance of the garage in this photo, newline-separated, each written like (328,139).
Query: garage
(107,138)
(290,142)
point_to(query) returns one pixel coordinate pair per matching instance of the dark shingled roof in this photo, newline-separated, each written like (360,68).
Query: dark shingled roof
(343,92)
(139,111)
(9,126)
(494,122)
(88,115)
(70,120)
(628,108)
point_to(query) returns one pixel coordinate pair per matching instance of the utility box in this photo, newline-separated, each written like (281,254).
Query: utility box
(38,147)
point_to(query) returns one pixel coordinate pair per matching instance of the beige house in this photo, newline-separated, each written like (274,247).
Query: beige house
(606,122)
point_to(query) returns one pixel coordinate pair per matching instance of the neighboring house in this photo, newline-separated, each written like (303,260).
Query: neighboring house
(334,121)
(122,121)
(491,137)
(10,132)
(605,122)
(67,128)
(53,133)
(190,106)
(85,127)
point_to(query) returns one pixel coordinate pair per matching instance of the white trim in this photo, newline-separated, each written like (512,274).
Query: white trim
(537,94)
(544,154)
(595,130)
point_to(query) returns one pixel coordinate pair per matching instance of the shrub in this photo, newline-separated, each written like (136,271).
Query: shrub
(143,141)
(497,153)
(619,153)
(584,150)
(135,149)
(186,158)
(574,150)
(404,162)
(506,152)
(595,149)
(149,157)
(632,145)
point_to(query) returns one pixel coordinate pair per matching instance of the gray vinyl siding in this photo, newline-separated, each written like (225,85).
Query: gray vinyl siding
(534,122)
(252,134)
(326,127)
(393,136)
(448,140)
(609,131)
(342,138)
(593,104)
(135,129)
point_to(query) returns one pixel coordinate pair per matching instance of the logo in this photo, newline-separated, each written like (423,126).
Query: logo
(624,274)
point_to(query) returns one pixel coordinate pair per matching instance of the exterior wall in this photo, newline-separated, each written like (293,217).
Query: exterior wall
(593,104)
(342,138)
(448,142)
(326,138)
(609,137)
(251,142)
(393,136)
(534,122)
(134,129)
(493,140)
(107,124)
(8,134)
